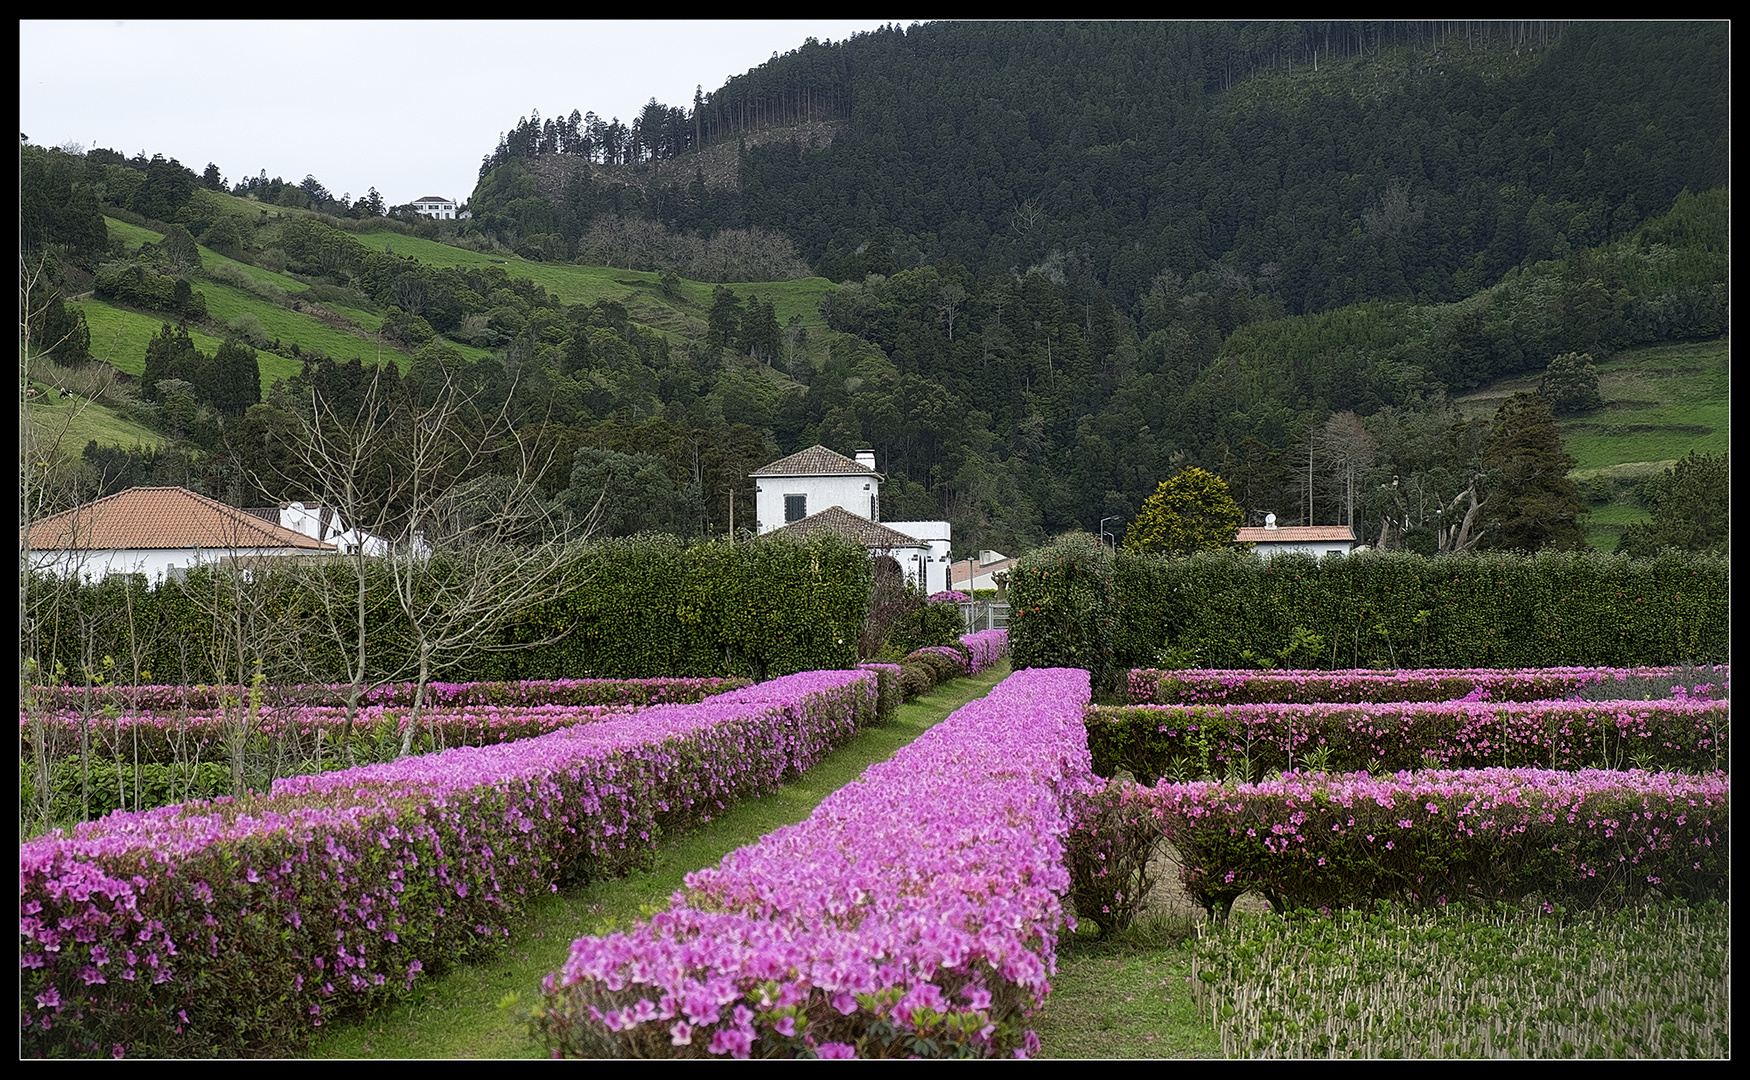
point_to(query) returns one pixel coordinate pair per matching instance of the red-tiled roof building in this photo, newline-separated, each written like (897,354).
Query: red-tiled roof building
(821,489)
(153,531)
(1314,540)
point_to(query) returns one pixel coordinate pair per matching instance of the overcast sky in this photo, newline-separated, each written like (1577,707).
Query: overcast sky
(407,108)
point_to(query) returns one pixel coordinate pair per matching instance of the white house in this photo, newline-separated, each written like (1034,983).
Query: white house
(811,482)
(934,561)
(1314,540)
(322,523)
(155,531)
(435,206)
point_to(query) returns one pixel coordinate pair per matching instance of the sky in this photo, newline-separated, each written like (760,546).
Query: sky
(409,109)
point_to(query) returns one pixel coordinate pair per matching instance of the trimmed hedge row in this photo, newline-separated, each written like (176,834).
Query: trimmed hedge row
(1076,605)
(1365,686)
(1063,609)
(641,607)
(529,692)
(1191,742)
(233,928)
(914,914)
(1593,837)
(1556,609)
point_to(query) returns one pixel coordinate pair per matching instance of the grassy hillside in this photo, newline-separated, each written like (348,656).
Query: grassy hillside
(640,291)
(66,422)
(1660,403)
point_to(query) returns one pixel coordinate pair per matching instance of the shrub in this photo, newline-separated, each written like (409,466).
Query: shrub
(917,679)
(1062,609)
(945,662)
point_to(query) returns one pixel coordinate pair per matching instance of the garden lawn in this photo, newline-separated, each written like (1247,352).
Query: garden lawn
(479,1010)
(1128,996)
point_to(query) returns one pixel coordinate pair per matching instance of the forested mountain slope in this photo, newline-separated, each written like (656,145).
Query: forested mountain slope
(1071,260)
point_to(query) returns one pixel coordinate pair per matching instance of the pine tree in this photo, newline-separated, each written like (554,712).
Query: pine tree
(236,382)
(171,355)
(1691,509)
(1531,505)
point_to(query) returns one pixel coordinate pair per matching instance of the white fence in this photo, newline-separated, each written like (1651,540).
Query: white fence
(984,615)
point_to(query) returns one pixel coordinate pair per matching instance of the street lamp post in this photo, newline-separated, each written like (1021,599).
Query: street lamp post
(1104,534)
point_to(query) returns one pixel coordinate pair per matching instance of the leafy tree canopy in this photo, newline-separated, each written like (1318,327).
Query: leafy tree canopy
(1192,512)
(1570,384)
(1691,509)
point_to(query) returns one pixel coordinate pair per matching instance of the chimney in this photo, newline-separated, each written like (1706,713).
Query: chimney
(866,458)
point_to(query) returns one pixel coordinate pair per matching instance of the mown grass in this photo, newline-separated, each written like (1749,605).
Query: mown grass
(480,1009)
(1126,996)
(1471,983)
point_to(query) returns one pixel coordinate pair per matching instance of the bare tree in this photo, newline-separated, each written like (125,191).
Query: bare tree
(1348,450)
(471,558)
(461,550)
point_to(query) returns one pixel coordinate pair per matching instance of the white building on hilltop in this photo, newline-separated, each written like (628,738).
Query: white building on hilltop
(796,493)
(435,206)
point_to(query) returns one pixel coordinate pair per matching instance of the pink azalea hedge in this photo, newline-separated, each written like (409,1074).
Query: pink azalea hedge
(234,928)
(172,699)
(1187,687)
(915,912)
(1681,734)
(984,649)
(1592,836)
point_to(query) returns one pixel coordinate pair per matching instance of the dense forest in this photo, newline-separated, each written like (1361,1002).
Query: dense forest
(1071,260)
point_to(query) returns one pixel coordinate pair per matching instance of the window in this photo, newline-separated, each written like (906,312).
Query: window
(795,508)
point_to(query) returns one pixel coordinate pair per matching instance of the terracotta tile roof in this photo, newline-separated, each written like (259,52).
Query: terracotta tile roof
(817,460)
(162,517)
(1296,534)
(836,519)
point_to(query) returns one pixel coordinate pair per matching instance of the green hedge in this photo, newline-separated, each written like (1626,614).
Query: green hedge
(1234,610)
(1062,609)
(641,607)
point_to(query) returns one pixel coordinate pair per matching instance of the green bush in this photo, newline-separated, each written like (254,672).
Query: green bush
(147,785)
(1062,609)
(642,607)
(917,679)
(1398,610)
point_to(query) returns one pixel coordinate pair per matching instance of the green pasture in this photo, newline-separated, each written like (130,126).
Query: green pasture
(69,422)
(639,290)
(119,336)
(133,236)
(1660,403)
(225,304)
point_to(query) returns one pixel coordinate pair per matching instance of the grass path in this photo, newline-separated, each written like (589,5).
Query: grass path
(1126,997)
(477,1010)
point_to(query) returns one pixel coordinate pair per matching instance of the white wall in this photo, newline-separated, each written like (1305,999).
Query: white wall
(936,535)
(1316,548)
(154,563)
(850,492)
